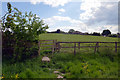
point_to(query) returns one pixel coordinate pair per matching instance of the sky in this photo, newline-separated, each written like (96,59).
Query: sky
(81,15)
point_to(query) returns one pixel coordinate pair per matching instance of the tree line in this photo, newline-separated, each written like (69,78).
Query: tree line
(105,33)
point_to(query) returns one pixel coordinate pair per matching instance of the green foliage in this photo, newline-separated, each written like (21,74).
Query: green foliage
(19,32)
(82,65)
(71,31)
(106,32)
(28,74)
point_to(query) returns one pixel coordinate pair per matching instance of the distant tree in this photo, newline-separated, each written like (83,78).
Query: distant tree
(106,32)
(118,35)
(96,34)
(58,31)
(71,31)
(112,35)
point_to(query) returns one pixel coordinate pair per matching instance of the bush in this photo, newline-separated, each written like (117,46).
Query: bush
(96,34)
(113,35)
(19,33)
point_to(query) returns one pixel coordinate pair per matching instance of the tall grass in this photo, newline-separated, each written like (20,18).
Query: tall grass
(88,65)
(85,64)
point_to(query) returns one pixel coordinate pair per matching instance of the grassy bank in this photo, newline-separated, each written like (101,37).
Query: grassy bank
(103,65)
(85,64)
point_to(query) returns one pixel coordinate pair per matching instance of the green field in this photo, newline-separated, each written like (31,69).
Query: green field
(69,37)
(80,38)
(85,64)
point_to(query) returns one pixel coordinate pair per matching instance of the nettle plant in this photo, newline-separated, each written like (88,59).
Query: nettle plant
(19,31)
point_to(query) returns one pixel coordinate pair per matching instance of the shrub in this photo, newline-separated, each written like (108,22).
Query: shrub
(19,33)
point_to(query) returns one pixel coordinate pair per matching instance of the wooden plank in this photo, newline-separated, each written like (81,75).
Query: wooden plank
(47,43)
(53,47)
(56,46)
(74,48)
(46,46)
(96,47)
(59,47)
(116,47)
(79,46)
(88,47)
(45,40)
(87,42)
(67,47)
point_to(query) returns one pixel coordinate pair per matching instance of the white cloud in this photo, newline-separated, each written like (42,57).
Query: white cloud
(53,3)
(112,28)
(99,12)
(73,24)
(53,20)
(61,10)
(90,8)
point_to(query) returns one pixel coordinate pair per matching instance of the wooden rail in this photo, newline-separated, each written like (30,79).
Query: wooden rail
(56,46)
(49,44)
(96,47)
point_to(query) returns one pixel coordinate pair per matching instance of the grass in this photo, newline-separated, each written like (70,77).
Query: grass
(90,65)
(74,37)
(85,64)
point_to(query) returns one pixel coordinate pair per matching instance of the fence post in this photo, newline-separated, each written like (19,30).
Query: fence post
(115,46)
(53,47)
(75,49)
(79,46)
(58,47)
(96,47)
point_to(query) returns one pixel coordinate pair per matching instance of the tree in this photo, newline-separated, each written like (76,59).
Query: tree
(96,34)
(19,31)
(71,31)
(106,32)
(58,31)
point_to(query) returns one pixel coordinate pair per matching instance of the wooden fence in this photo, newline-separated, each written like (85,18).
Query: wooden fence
(96,47)
(57,45)
(47,43)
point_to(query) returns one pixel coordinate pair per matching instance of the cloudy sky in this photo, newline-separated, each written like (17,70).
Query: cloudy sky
(81,15)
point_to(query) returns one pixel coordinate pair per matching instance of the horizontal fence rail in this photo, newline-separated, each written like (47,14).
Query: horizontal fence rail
(88,42)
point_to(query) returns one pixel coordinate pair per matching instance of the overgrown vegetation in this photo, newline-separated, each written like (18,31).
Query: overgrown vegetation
(20,32)
(83,65)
